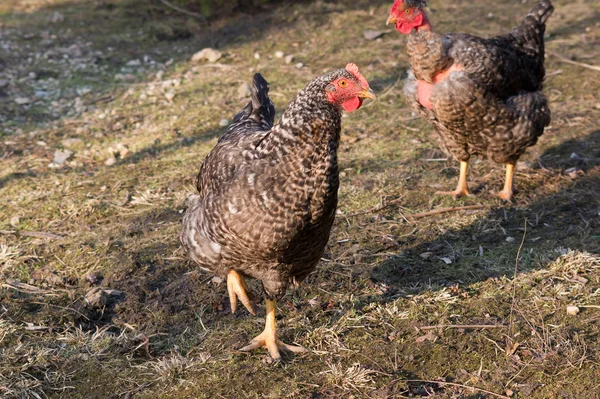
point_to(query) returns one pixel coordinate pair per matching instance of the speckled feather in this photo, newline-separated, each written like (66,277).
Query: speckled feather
(494,108)
(268,194)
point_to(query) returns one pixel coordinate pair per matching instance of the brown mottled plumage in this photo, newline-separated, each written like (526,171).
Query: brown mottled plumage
(482,95)
(268,193)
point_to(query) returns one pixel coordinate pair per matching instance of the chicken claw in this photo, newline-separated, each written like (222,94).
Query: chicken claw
(462,190)
(268,338)
(237,288)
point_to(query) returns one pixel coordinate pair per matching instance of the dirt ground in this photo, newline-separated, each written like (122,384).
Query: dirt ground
(105,120)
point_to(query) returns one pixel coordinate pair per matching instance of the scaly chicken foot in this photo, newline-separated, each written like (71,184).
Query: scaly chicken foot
(237,288)
(462,190)
(507,192)
(268,338)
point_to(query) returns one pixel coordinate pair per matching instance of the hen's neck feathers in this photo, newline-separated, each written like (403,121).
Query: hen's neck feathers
(310,119)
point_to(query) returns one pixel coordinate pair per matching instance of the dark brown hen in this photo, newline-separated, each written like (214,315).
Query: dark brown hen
(482,95)
(268,194)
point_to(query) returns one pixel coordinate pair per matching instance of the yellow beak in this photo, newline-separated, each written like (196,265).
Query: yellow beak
(391,20)
(368,94)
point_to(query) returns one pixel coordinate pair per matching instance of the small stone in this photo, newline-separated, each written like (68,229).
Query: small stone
(122,150)
(82,91)
(57,17)
(216,280)
(42,94)
(60,157)
(289,59)
(371,34)
(169,96)
(573,310)
(208,54)
(447,261)
(597,106)
(245,90)
(299,65)
(279,54)
(134,63)
(22,100)
(96,298)
(110,161)
(426,255)
(510,239)
(125,77)
(257,56)
(224,122)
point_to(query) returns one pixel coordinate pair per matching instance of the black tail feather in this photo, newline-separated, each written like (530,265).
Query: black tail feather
(260,109)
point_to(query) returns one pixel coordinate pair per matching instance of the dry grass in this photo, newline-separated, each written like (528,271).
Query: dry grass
(396,302)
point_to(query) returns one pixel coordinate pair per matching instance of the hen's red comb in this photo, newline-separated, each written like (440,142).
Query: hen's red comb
(353,69)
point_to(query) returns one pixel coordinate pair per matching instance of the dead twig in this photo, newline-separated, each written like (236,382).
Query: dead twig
(183,10)
(26,288)
(453,384)
(376,208)
(446,210)
(462,326)
(568,61)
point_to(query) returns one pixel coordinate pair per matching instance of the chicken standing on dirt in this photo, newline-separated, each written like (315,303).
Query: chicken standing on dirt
(268,194)
(482,95)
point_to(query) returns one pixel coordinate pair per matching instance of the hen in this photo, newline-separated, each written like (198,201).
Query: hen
(483,96)
(268,193)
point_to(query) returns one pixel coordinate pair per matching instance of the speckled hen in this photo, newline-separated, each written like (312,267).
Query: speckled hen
(483,96)
(268,193)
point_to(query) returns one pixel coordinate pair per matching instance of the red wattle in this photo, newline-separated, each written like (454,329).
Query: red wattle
(404,28)
(353,104)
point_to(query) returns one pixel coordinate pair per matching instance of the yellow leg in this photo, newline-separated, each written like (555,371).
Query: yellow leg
(237,288)
(268,338)
(507,192)
(461,190)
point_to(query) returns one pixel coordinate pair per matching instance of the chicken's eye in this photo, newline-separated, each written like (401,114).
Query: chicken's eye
(408,11)
(343,83)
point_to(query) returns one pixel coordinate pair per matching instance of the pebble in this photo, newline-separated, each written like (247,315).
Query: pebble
(208,54)
(110,161)
(279,54)
(22,100)
(371,34)
(257,56)
(60,157)
(573,310)
(289,59)
(510,239)
(169,96)
(299,65)
(224,122)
